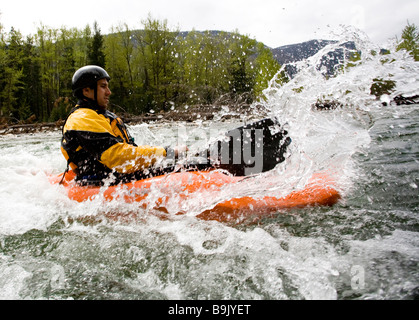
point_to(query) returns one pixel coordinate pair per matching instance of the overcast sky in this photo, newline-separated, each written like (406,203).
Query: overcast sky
(273,22)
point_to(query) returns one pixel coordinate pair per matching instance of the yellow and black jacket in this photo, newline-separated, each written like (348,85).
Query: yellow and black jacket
(96,143)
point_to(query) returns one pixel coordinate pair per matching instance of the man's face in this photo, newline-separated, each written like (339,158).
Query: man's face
(103,93)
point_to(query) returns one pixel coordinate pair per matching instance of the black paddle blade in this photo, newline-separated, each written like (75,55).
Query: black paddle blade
(251,149)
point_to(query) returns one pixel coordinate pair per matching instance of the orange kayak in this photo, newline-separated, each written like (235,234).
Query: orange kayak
(160,193)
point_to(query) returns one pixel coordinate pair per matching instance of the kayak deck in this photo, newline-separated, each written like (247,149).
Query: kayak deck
(161,191)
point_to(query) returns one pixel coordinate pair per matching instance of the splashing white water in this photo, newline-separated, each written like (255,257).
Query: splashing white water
(326,139)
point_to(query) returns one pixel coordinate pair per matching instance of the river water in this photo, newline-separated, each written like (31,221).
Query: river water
(364,247)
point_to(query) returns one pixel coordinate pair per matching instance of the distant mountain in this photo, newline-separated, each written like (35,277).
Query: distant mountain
(299,51)
(288,54)
(214,33)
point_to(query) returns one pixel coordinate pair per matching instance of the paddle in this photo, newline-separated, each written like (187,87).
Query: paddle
(250,149)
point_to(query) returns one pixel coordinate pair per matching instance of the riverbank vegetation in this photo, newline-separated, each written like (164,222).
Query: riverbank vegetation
(155,69)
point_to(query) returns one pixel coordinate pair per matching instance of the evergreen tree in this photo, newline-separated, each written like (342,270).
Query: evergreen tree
(410,40)
(31,97)
(11,79)
(96,55)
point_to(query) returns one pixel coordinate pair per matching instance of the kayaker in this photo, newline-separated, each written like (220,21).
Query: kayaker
(95,141)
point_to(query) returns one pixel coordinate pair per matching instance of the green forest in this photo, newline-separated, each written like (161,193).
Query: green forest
(155,68)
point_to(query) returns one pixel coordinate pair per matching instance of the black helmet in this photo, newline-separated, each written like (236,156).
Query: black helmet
(87,76)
